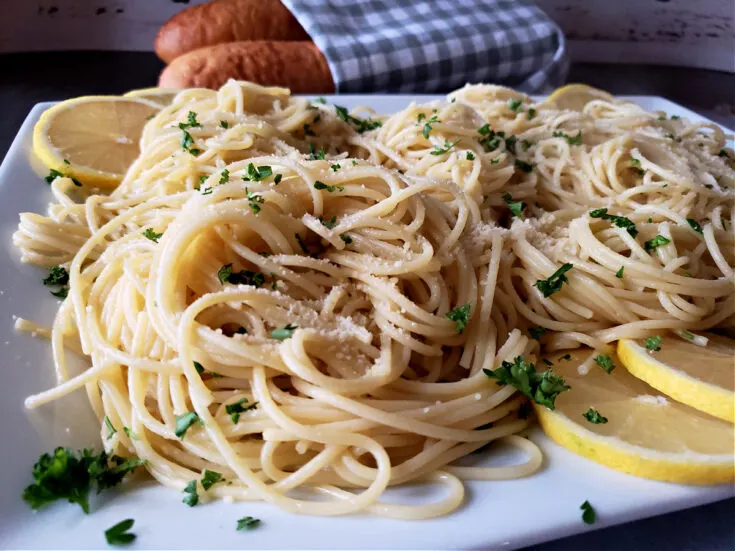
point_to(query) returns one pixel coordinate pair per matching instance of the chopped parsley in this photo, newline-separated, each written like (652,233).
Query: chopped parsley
(335,167)
(66,474)
(210,478)
(346,238)
(191,497)
(636,164)
(330,223)
(243,277)
(571,140)
(653,244)
(316,155)
(277,179)
(57,275)
(694,225)
(111,430)
(537,332)
(186,139)
(516,207)
(531,113)
(445,149)
(619,273)
(426,130)
(594,417)
(553,284)
(360,125)
(235,409)
(461,316)
(687,335)
(588,513)
(510,144)
(119,535)
(605,362)
(284,333)
(523,165)
(254,201)
(653,344)
(224,177)
(542,388)
(256,174)
(53,174)
(184,421)
(224,124)
(330,189)
(470,156)
(247,523)
(130,434)
(514,104)
(619,221)
(152,235)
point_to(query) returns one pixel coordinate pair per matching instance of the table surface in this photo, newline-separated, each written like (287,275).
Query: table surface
(28,79)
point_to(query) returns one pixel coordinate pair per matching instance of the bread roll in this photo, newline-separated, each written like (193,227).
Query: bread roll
(223,21)
(299,66)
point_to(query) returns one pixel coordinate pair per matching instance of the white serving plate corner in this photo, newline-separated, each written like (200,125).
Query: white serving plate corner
(496,515)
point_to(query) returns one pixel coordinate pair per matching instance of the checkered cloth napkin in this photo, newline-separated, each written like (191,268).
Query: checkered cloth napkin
(434,45)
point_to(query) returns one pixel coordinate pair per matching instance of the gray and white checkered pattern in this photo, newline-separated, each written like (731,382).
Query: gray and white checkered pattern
(425,46)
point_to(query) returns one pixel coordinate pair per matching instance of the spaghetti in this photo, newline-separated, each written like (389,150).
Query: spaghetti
(300,298)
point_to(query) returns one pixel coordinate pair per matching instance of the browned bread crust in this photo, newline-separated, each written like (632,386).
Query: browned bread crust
(224,21)
(299,66)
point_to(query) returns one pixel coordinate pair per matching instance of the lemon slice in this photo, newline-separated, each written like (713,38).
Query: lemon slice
(92,138)
(575,96)
(702,377)
(160,96)
(646,434)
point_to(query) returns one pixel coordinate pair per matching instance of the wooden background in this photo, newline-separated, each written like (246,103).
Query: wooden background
(692,33)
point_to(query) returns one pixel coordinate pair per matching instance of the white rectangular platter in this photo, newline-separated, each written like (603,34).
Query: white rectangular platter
(495,515)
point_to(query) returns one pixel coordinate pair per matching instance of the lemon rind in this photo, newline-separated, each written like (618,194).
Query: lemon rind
(680,386)
(687,468)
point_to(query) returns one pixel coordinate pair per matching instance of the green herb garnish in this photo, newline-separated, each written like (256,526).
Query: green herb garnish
(70,475)
(694,225)
(235,409)
(524,166)
(537,332)
(588,513)
(605,362)
(346,238)
(152,235)
(470,156)
(655,243)
(514,104)
(330,223)
(531,113)
(653,343)
(461,316)
(210,478)
(257,174)
(427,125)
(553,284)
(111,430)
(636,164)
(184,421)
(571,140)
(192,497)
(619,273)
(360,125)
(57,275)
(224,124)
(542,388)
(330,189)
(516,207)
(119,535)
(247,523)
(594,417)
(243,277)
(254,201)
(445,149)
(619,221)
(284,332)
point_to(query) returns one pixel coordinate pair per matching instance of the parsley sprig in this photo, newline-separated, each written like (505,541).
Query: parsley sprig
(571,140)
(594,417)
(243,277)
(284,333)
(70,475)
(330,189)
(360,125)
(428,124)
(236,408)
(653,244)
(150,233)
(186,139)
(542,388)
(605,362)
(588,513)
(57,275)
(247,523)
